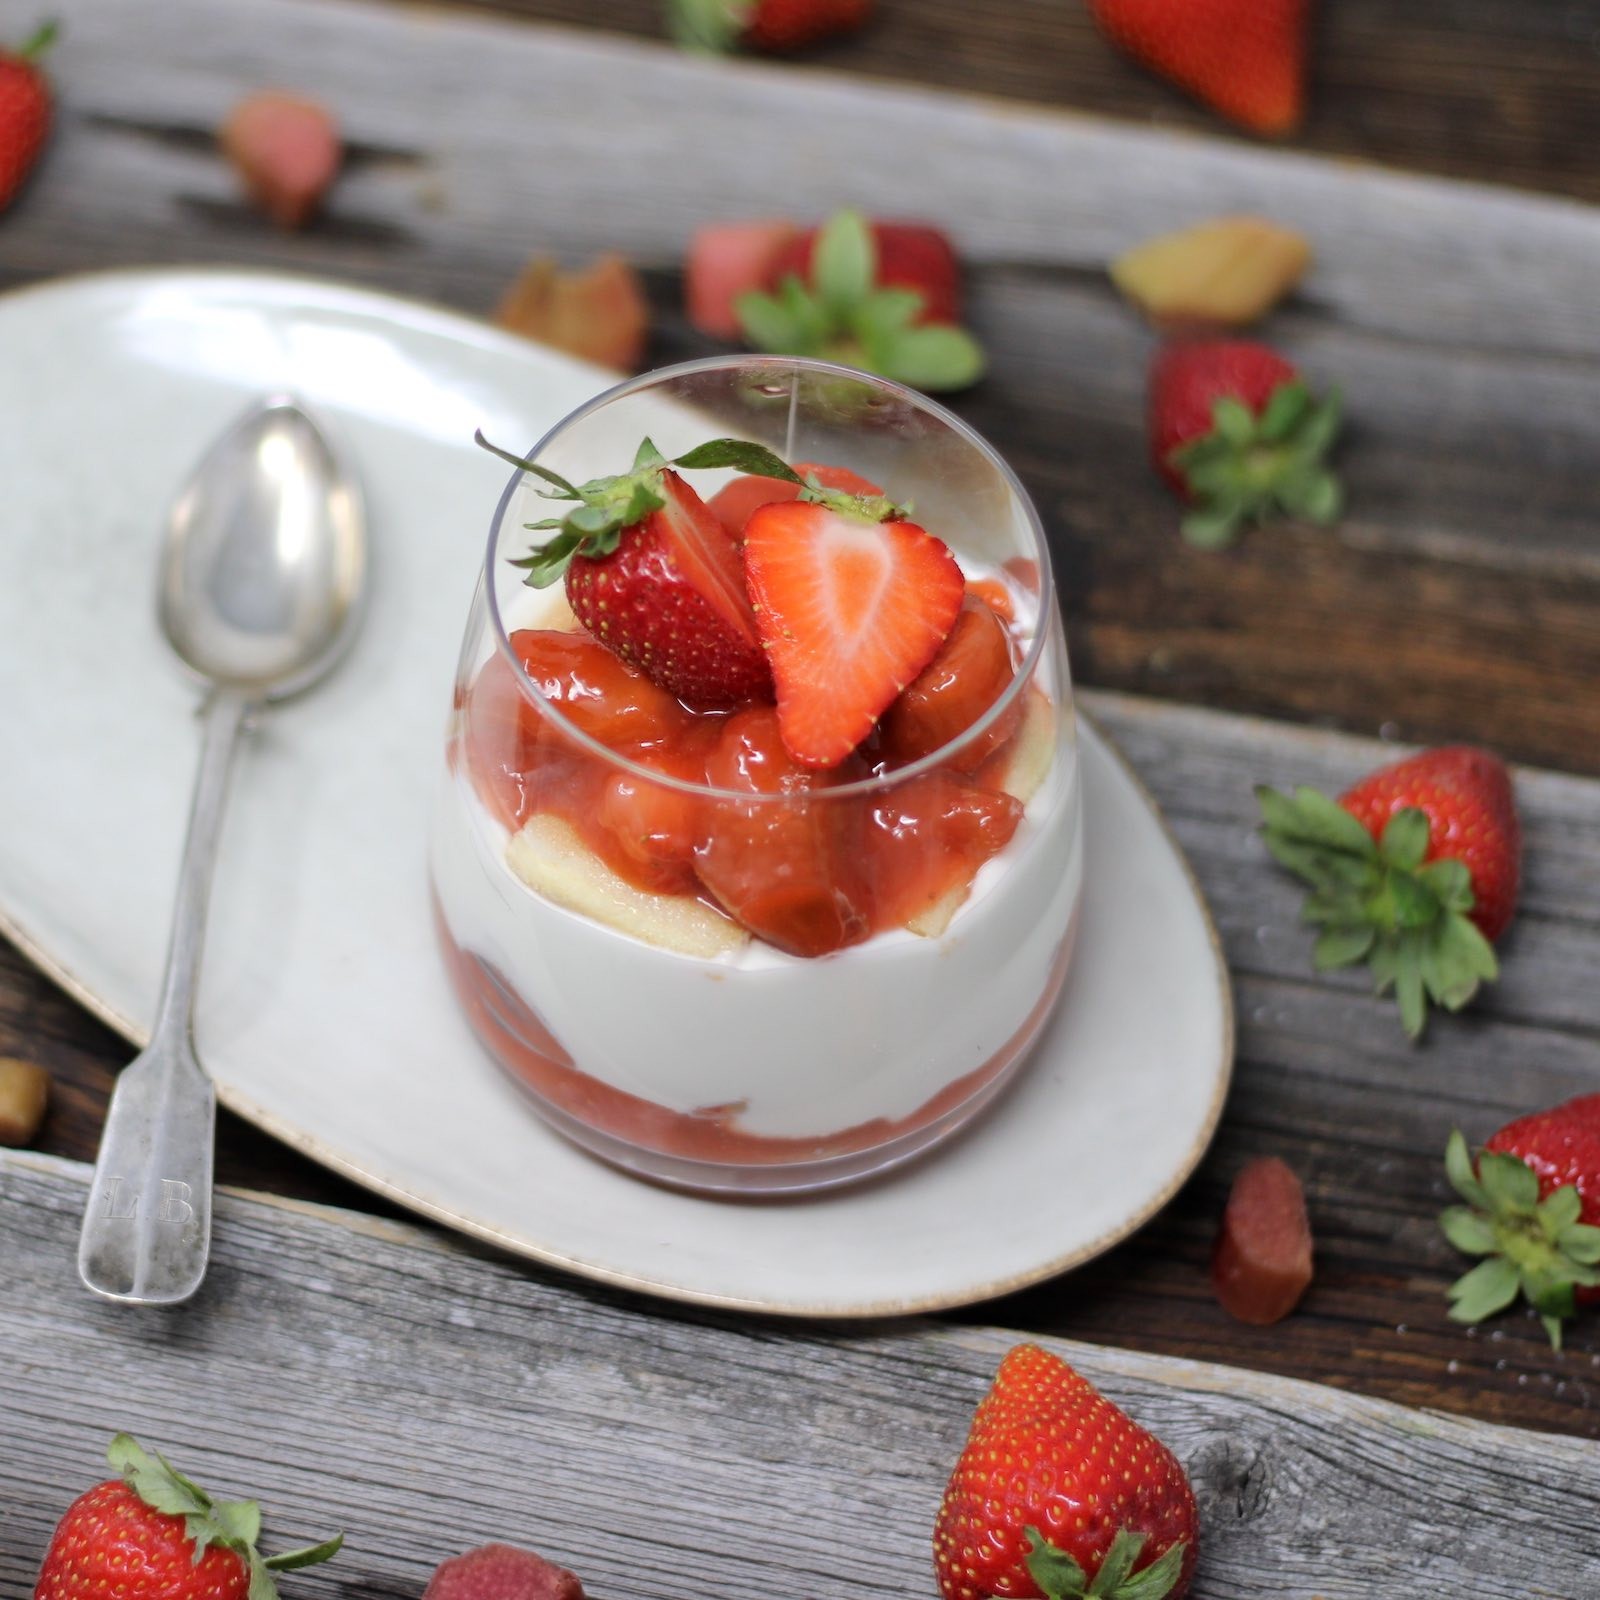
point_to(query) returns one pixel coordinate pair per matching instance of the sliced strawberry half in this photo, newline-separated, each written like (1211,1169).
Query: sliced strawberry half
(851,608)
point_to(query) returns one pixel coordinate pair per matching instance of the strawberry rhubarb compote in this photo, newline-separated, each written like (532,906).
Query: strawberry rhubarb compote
(758,858)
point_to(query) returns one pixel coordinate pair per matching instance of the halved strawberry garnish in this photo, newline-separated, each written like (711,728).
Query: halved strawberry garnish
(733,502)
(851,608)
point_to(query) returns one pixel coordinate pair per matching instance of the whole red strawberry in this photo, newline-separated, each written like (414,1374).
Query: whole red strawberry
(25,111)
(885,296)
(667,601)
(1235,431)
(1243,58)
(1532,1212)
(910,255)
(652,573)
(1414,870)
(1057,1490)
(764,24)
(1465,793)
(152,1534)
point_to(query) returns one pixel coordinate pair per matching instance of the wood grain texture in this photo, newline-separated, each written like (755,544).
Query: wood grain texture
(1459,597)
(1324,1079)
(428,1398)
(1491,89)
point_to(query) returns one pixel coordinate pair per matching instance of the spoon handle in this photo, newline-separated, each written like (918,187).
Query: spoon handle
(147,1228)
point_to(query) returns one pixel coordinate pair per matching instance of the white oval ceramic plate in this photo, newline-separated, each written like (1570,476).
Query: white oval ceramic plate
(324,1015)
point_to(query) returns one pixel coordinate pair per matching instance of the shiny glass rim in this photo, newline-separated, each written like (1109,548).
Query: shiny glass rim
(881,782)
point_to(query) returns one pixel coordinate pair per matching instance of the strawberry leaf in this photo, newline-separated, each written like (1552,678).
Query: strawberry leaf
(844,263)
(1537,1247)
(1489,1287)
(1212,530)
(239,1520)
(1056,1573)
(1511,1185)
(1343,947)
(1117,1563)
(1559,1210)
(647,456)
(1405,838)
(883,314)
(933,356)
(1284,412)
(1459,1169)
(548,564)
(1582,1244)
(309,1556)
(709,25)
(1408,989)
(154,1480)
(1467,1231)
(1234,422)
(742,456)
(1159,1578)
(261,1585)
(769,324)
(40,40)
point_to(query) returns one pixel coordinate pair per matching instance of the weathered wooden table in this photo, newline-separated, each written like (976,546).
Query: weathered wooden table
(425,1397)
(1461,598)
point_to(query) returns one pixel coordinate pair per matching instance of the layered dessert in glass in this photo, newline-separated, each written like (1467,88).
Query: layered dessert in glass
(758,854)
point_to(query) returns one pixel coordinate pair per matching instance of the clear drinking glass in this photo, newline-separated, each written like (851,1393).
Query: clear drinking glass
(702,965)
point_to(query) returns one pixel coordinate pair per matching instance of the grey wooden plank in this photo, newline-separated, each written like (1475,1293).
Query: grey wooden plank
(428,1396)
(498,127)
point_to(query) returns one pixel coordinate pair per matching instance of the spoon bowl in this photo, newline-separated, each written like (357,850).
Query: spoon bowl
(264,566)
(262,577)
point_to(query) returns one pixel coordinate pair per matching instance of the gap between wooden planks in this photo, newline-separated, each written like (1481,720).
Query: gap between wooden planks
(427,1396)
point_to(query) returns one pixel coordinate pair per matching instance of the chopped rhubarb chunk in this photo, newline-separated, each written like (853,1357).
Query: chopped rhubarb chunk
(287,151)
(1262,1262)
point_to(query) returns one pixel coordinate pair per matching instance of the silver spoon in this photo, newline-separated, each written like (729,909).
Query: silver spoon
(262,578)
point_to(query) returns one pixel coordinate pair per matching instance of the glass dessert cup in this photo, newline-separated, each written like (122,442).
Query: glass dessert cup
(702,962)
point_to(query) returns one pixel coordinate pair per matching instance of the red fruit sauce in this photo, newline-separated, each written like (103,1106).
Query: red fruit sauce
(808,874)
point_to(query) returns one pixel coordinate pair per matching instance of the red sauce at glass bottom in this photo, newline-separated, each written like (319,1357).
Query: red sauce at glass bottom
(517,1038)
